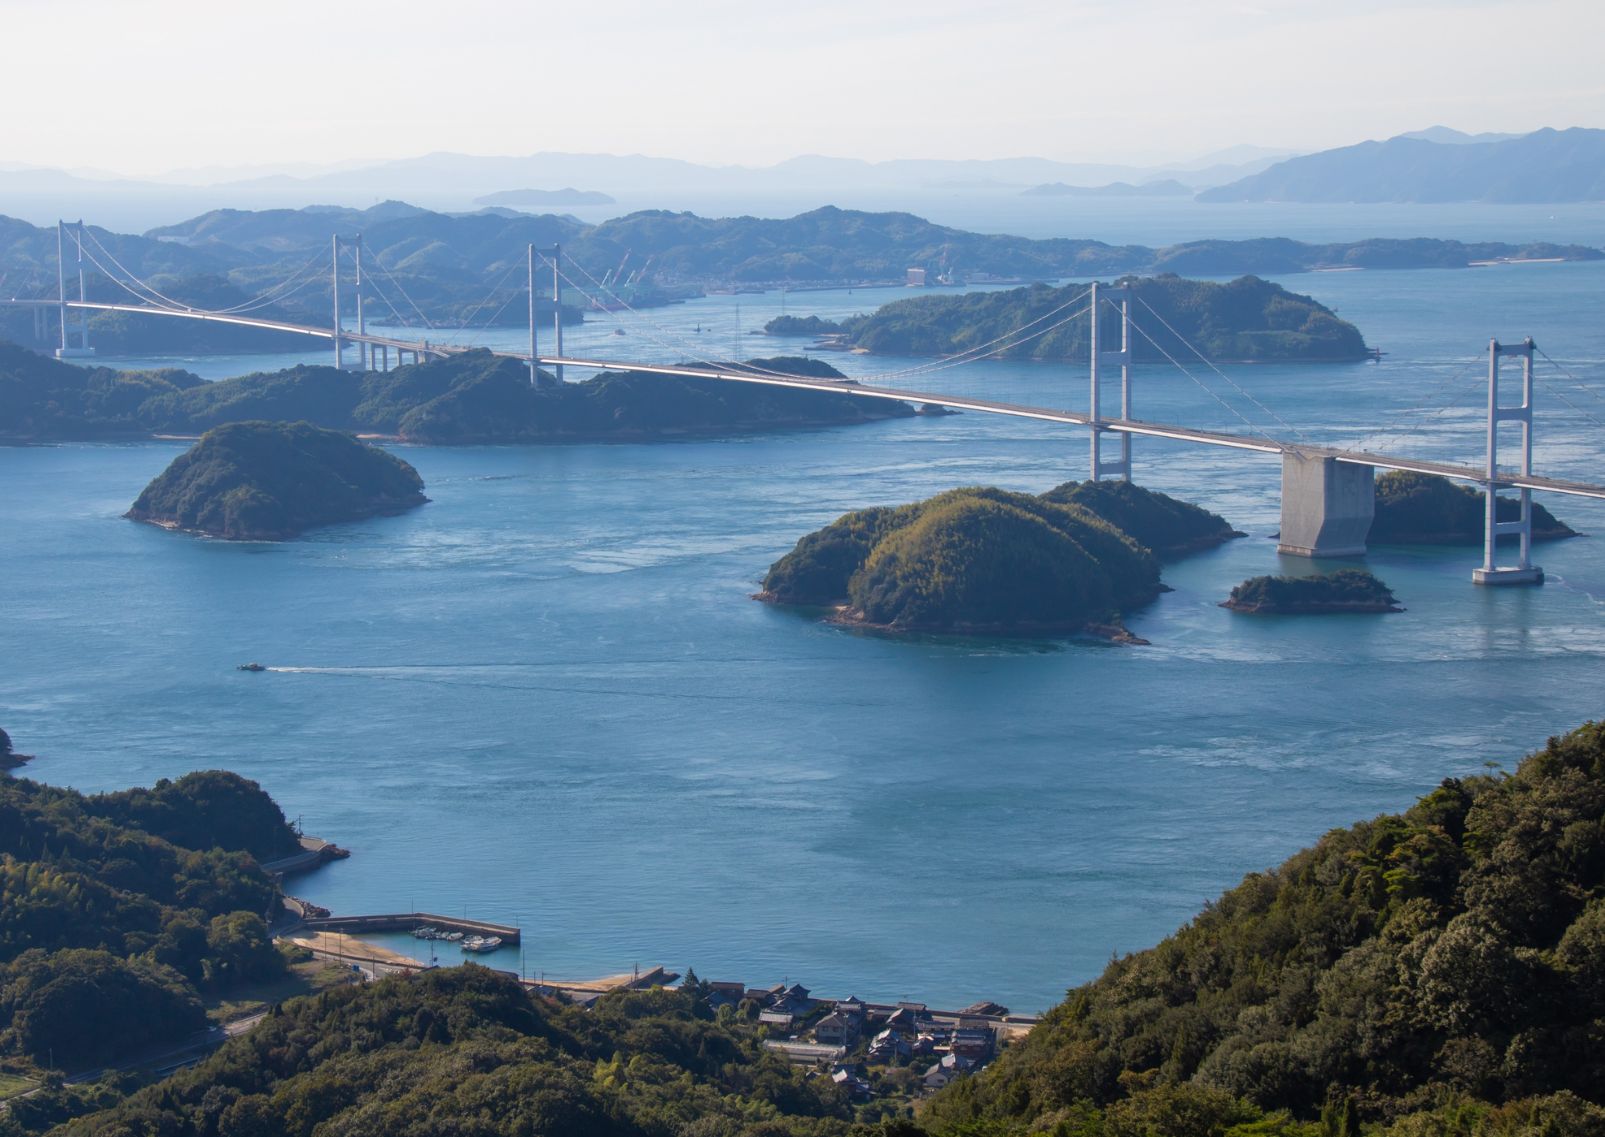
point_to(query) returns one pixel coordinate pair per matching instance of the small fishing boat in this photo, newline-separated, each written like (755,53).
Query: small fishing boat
(250,667)
(482,943)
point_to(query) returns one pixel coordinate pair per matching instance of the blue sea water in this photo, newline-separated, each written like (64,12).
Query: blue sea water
(545,697)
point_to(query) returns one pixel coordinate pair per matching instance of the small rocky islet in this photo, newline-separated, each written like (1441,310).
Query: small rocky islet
(1346,590)
(986,561)
(268,481)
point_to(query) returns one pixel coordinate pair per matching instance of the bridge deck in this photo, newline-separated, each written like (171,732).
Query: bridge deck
(1265,444)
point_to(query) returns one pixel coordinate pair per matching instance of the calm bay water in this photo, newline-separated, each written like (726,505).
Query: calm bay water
(545,696)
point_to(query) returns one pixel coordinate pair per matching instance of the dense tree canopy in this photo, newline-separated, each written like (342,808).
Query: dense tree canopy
(1166,525)
(469,397)
(270,480)
(115,909)
(1424,509)
(1245,319)
(1346,590)
(1417,969)
(983,559)
(467,1051)
(987,560)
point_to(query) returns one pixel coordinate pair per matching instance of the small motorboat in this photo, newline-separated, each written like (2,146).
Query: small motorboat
(250,667)
(482,943)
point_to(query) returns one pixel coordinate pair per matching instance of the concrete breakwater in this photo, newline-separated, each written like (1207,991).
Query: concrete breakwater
(315,851)
(407,921)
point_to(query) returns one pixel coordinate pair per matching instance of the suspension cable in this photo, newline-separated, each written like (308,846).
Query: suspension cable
(968,355)
(1211,392)
(1556,391)
(1211,365)
(428,323)
(275,294)
(468,320)
(1417,417)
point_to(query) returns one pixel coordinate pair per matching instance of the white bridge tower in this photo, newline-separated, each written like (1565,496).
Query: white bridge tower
(1523,571)
(1102,467)
(66,350)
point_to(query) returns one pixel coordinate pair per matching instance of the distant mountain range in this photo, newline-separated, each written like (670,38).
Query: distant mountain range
(1437,165)
(1165,187)
(459,182)
(544,199)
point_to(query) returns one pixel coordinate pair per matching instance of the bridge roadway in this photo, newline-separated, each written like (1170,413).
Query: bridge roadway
(1264,445)
(425,347)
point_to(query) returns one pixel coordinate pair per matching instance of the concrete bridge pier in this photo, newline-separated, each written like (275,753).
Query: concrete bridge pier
(1327,506)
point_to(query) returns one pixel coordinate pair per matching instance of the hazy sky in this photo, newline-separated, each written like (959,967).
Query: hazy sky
(143,86)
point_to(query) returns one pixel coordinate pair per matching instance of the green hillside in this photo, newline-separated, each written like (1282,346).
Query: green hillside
(265,481)
(117,911)
(470,397)
(1247,319)
(982,560)
(1440,972)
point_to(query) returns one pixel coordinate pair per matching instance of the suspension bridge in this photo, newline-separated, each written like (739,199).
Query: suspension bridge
(1328,496)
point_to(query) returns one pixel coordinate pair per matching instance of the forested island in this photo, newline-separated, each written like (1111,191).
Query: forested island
(1425,509)
(470,397)
(1167,526)
(1245,320)
(268,481)
(1347,590)
(984,561)
(1440,972)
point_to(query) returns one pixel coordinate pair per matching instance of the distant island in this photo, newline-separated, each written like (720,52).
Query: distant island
(226,257)
(1166,187)
(1549,166)
(470,397)
(801,326)
(1347,590)
(267,481)
(983,561)
(520,198)
(1247,319)
(1425,509)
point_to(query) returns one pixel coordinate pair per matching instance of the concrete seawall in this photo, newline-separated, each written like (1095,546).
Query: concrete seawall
(407,921)
(315,851)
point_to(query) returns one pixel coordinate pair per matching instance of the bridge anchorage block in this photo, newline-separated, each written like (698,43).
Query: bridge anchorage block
(1327,506)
